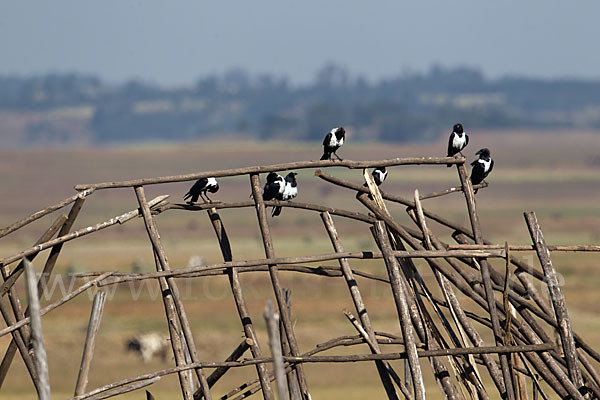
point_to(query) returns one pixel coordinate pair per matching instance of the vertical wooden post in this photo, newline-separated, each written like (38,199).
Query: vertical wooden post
(558,300)
(167,293)
(90,342)
(359,305)
(292,376)
(240,302)
(399,292)
(37,338)
(274,274)
(485,276)
(12,347)
(272,319)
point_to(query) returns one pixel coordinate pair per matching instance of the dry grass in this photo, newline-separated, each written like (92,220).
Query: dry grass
(564,192)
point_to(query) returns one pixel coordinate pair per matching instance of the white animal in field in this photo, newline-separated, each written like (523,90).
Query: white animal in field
(149,345)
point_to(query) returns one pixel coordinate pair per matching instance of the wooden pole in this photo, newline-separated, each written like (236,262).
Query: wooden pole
(292,376)
(359,304)
(485,276)
(37,338)
(272,319)
(270,253)
(90,342)
(240,302)
(398,291)
(167,294)
(558,300)
(276,167)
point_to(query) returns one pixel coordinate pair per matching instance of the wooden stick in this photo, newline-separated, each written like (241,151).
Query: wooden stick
(235,354)
(56,304)
(243,204)
(276,167)
(558,300)
(126,389)
(375,349)
(7,287)
(398,291)
(90,342)
(240,302)
(512,247)
(121,219)
(292,376)
(456,189)
(270,253)
(272,319)
(39,214)
(37,338)
(485,276)
(359,305)
(167,294)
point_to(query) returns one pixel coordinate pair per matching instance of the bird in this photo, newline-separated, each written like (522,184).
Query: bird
(457,141)
(379,174)
(332,142)
(290,191)
(274,186)
(481,167)
(200,188)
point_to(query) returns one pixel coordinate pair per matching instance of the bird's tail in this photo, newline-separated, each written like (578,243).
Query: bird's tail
(448,165)
(187,195)
(326,156)
(276,211)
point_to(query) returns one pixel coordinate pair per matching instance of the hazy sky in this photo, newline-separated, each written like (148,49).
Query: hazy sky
(175,42)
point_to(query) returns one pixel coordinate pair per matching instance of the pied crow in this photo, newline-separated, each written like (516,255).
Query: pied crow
(457,141)
(481,167)
(200,188)
(379,175)
(332,142)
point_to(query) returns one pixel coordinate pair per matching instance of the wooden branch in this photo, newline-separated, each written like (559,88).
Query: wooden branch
(167,294)
(485,276)
(56,304)
(90,342)
(7,287)
(240,302)
(383,370)
(265,231)
(39,214)
(37,337)
(456,189)
(121,219)
(585,248)
(292,204)
(126,389)
(375,349)
(235,355)
(558,300)
(276,167)
(398,291)
(272,319)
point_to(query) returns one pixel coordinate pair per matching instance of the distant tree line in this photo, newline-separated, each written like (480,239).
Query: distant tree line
(408,107)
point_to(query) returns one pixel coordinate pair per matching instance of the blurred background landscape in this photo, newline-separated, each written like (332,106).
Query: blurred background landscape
(113,91)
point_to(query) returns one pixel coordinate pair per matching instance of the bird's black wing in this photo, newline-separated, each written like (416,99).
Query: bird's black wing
(475,163)
(477,173)
(196,188)
(466,140)
(451,150)
(327,140)
(271,190)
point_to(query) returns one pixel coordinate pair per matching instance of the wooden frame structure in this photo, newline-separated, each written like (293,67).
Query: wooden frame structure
(522,356)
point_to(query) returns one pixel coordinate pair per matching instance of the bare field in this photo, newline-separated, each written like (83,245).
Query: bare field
(557,175)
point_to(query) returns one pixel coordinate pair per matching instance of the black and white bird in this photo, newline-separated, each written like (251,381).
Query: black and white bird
(457,141)
(200,188)
(274,186)
(481,167)
(279,188)
(379,175)
(332,142)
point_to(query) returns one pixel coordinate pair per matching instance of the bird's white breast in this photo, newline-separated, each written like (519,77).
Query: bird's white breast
(458,142)
(289,192)
(486,164)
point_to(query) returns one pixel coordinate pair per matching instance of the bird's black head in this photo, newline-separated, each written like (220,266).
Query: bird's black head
(382,169)
(458,128)
(339,132)
(272,177)
(483,153)
(291,177)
